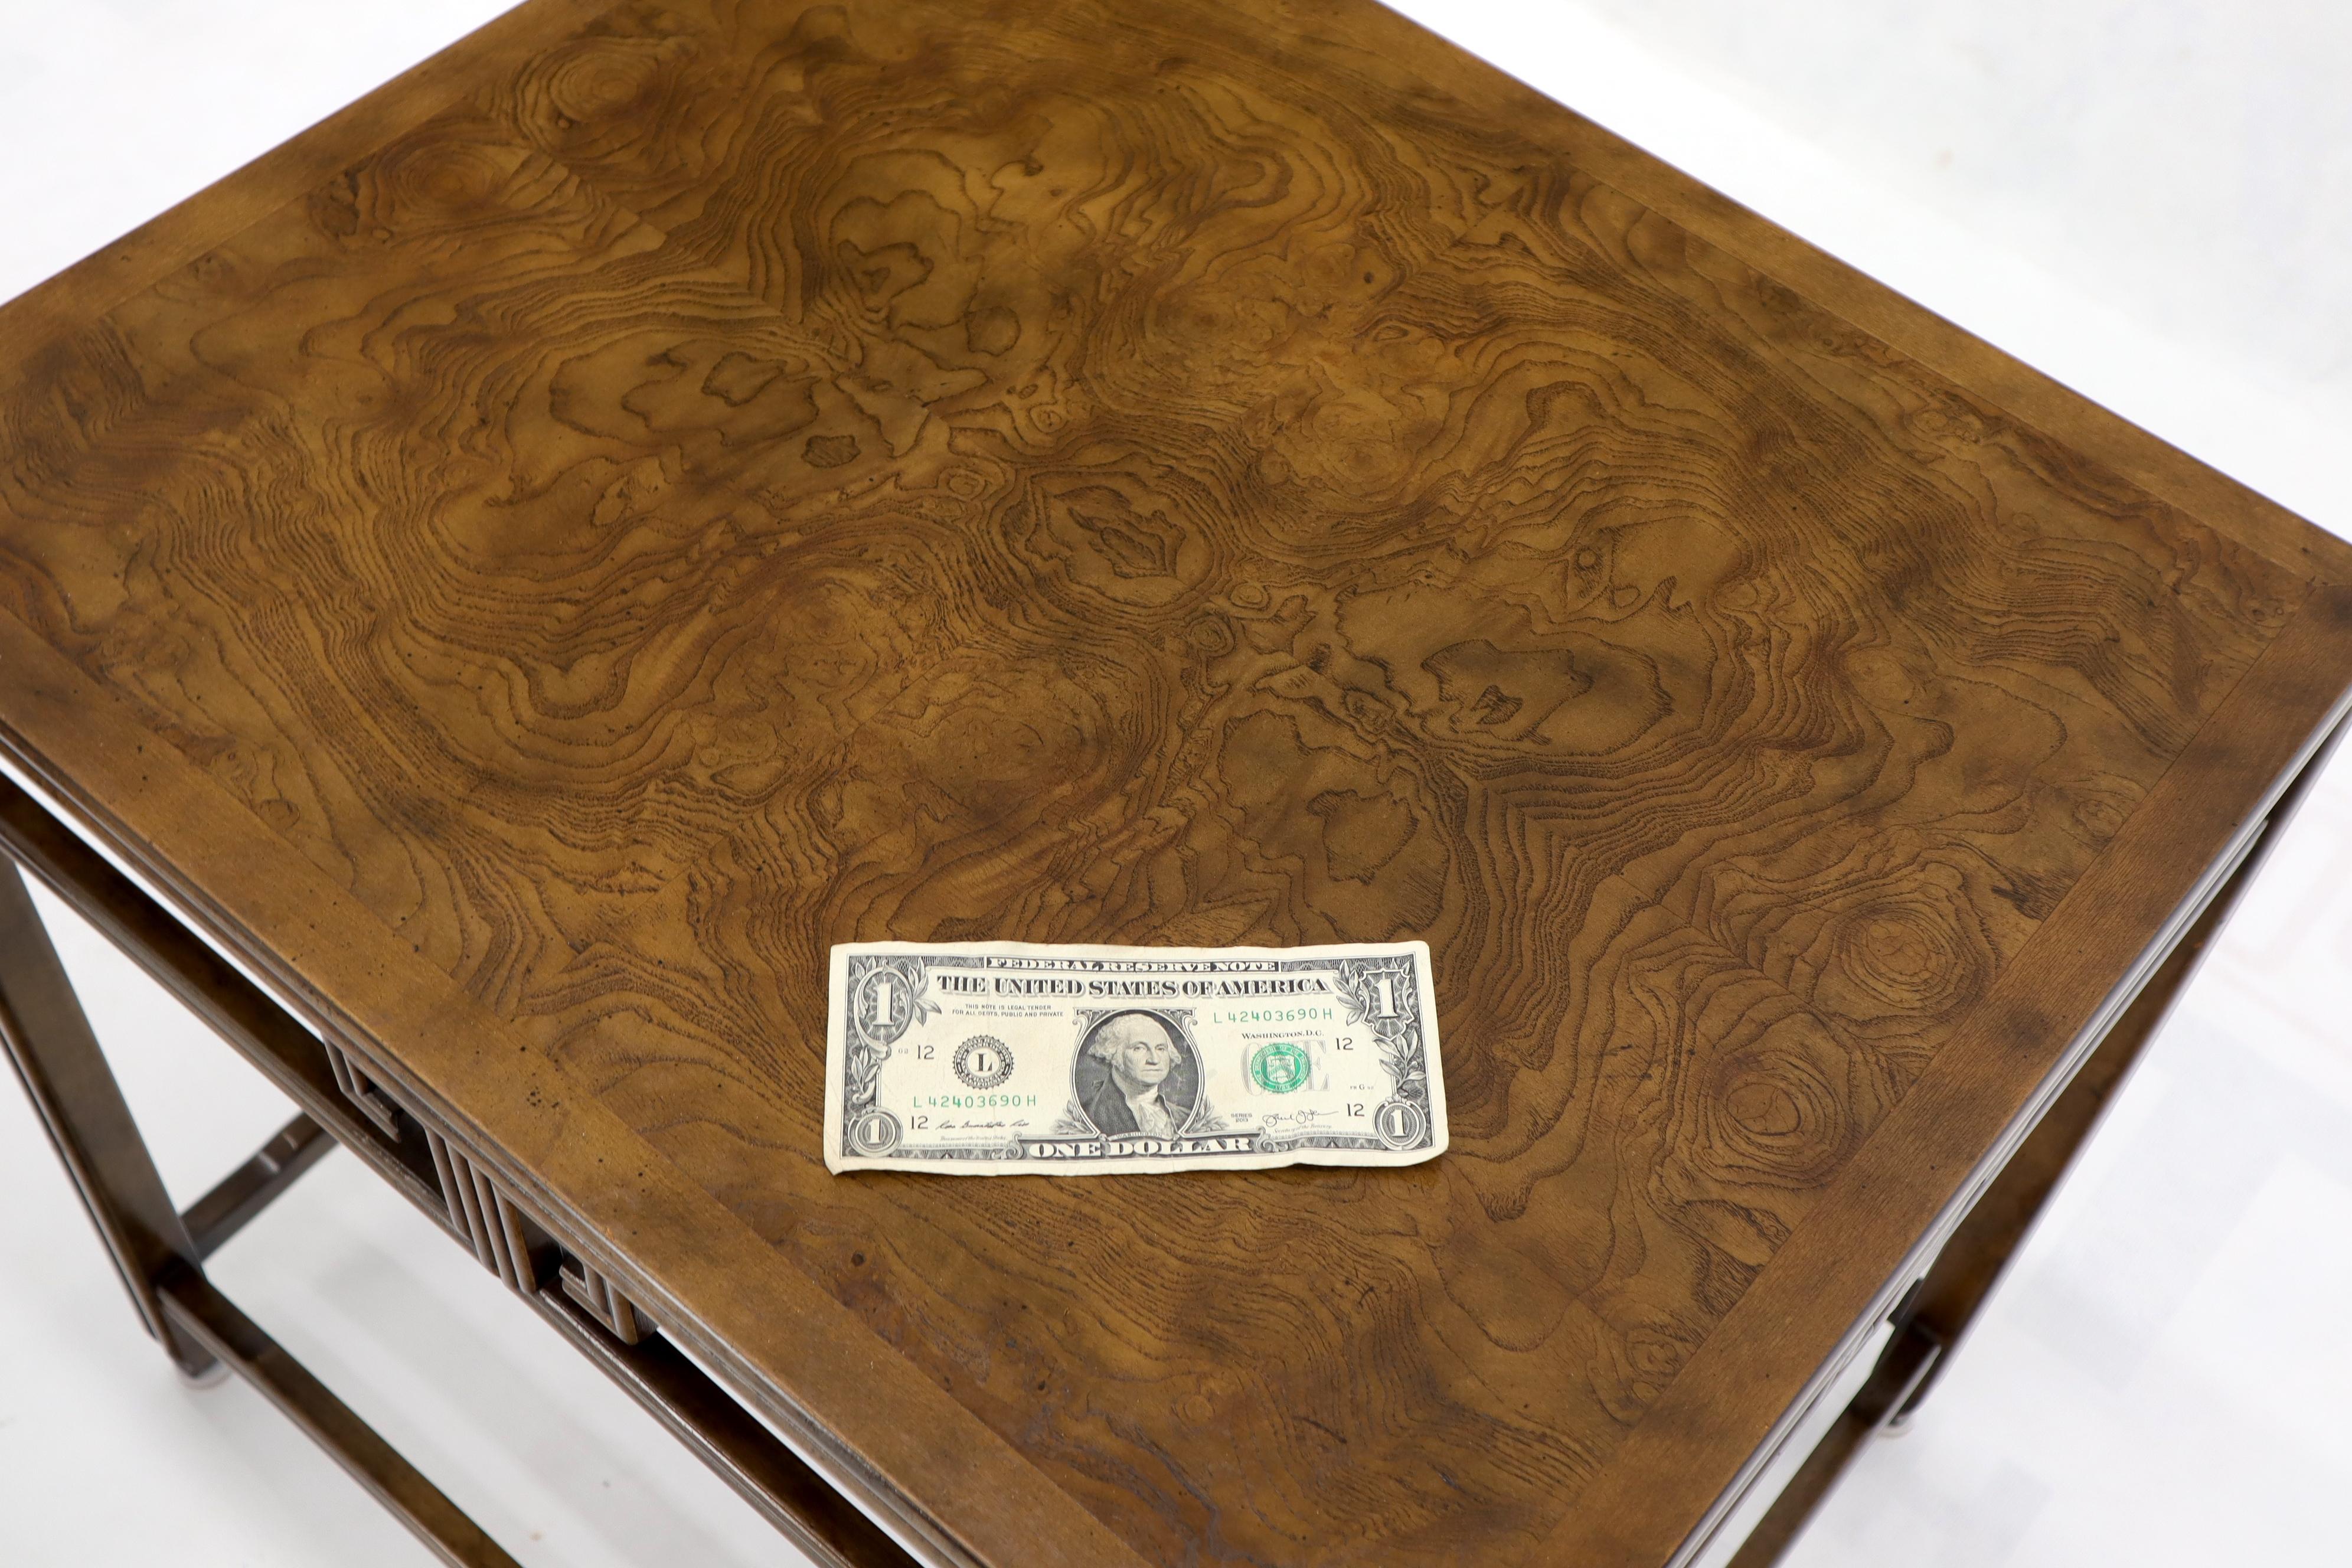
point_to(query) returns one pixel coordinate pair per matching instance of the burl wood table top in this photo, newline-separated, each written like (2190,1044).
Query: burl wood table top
(663,488)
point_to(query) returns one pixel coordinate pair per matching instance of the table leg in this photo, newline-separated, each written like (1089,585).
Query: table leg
(155,1250)
(49,1042)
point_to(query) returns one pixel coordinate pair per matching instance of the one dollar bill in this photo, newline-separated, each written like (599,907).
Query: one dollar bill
(1004,1058)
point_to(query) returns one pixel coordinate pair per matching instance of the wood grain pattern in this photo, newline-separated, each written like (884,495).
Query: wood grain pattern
(742,477)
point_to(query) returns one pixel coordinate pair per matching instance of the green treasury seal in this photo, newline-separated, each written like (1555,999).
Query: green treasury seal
(1279,1068)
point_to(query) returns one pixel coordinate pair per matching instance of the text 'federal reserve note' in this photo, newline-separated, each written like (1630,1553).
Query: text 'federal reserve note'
(1006,1058)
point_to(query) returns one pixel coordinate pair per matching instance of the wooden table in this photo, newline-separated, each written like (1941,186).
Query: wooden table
(660,489)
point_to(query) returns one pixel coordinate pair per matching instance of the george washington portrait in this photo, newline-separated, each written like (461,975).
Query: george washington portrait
(1137,1076)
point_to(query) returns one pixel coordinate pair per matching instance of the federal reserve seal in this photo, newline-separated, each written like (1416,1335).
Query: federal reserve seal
(983,1061)
(1279,1068)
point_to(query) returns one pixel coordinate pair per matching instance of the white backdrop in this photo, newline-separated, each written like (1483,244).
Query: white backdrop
(2151,199)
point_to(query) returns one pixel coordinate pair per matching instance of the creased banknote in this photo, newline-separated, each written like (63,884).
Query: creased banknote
(1003,1058)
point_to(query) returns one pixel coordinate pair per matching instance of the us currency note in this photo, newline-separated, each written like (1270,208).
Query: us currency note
(1003,1058)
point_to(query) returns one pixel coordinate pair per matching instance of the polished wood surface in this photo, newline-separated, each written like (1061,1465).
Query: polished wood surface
(663,490)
